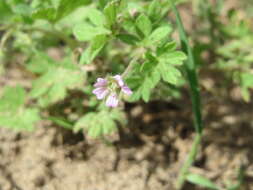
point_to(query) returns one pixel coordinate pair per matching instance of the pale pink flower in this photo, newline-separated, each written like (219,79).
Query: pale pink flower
(112,100)
(106,89)
(119,80)
(101,88)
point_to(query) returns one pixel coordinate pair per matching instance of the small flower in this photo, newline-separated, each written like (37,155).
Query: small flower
(100,92)
(126,90)
(119,80)
(101,88)
(109,89)
(112,100)
(100,82)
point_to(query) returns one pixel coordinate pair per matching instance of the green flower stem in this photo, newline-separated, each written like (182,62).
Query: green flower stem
(129,68)
(191,73)
(189,161)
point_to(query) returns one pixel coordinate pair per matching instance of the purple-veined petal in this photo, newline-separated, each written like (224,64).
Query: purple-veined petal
(100,92)
(112,100)
(125,89)
(119,80)
(100,82)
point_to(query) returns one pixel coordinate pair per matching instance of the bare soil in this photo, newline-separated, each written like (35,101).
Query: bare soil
(148,154)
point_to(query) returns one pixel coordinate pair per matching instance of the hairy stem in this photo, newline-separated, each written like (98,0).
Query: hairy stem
(130,66)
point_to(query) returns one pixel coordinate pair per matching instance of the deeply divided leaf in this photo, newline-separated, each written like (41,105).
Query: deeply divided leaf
(86,32)
(100,123)
(13,113)
(54,84)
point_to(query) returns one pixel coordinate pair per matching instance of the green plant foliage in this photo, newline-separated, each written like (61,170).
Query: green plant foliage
(60,10)
(240,179)
(107,30)
(246,82)
(236,54)
(100,123)
(105,38)
(144,24)
(202,181)
(41,63)
(53,85)
(93,50)
(96,17)
(110,12)
(5,10)
(159,34)
(86,32)
(128,38)
(13,113)
(154,69)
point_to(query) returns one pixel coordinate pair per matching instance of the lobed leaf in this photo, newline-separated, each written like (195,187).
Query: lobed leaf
(144,24)
(13,113)
(86,32)
(52,86)
(94,48)
(96,17)
(56,13)
(100,123)
(159,34)
(110,12)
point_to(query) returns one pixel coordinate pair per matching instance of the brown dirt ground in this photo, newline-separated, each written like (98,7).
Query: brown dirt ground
(148,154)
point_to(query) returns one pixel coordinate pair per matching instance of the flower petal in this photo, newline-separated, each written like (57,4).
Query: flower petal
(100,82)
(119,80)
(100,92)
(126,90)
(112,100)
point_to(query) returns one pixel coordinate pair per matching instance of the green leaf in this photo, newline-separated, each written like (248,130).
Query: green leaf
(63,9)
(52,86)
(22,9)
(68,6)
(128,38)
(173,58)
(61,122)
(145,91)
(148,78)
(169,74)
(24,119)
(159,34)
(96,17)
(48,13)
(94,48)
(100,123)
(148,75)
(86,32)
(12,98)
(166,47)
(144,24)
(202,181)
(13,113)
(154,10)
(41,63)
(5,12)
(190,68)
(246,83)
(110,12)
